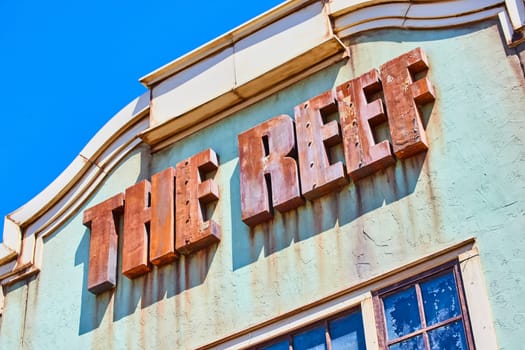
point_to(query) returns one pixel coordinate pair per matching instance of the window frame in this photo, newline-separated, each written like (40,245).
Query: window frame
(465,253)
(317,324)
(415,281)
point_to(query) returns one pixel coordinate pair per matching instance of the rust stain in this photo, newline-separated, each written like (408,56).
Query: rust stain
(334,206)
(318,215)
(147,298)
(353,53)
(187,272)
(253,248)
(434,203)
(358,200)
(201,258)
(297,226)
(101,306)
(147,284)
(161,283)
(268,238)
(178,276)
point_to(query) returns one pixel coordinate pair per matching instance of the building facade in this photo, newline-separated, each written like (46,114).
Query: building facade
(332,174)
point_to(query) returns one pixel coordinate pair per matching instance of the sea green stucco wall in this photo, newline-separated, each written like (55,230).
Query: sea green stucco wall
(469,184)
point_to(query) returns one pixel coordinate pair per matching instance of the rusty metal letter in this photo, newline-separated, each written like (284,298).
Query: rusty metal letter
(403,95)
(268,170)
(193,232)
(103,245)
(362,155)
(318,176)
(137,216)
(162,230)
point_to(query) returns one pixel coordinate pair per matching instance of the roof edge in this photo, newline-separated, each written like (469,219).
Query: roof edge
(25,228)
(226,40)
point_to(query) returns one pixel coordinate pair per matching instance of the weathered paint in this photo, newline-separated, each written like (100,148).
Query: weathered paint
(358,117)
(162,233)
(137,214)
(469,183)
(103,244)
(12,333)
(318,175)
(194,230)
(268,170)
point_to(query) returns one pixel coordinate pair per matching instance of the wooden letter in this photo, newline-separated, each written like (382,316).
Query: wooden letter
(362,155)
(268,170)
(318,176)
(193,232)
(137,216)
(162,230)
(103,245)
(403,95)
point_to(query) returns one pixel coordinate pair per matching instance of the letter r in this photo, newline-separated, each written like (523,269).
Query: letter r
(269,176)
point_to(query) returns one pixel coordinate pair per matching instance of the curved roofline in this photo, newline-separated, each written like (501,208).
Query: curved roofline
(25,227)
(411,13)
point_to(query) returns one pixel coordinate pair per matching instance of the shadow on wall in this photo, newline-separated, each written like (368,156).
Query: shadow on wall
(188,271)
(185,273)
(341,207)
(322,214)
(336,209)
(166,282)
(314,217)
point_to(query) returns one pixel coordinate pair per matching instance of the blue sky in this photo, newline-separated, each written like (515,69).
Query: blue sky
(68,66)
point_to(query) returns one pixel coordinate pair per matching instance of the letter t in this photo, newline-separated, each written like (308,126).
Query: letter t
(103,245)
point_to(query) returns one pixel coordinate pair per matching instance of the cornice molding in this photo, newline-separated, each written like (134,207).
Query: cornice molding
(226,40)
(345,19)
(26,227)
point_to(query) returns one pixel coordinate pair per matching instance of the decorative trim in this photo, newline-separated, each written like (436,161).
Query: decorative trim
(477,298)
(361,17)
(184,99)
(25,228)
(226,40)
(186,125)
(351,297)
(346,19)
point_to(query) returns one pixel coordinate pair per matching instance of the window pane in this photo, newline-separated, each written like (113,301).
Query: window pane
(283,345)
(440,299)
(415,343)
(347,332)
(313,339)
(449,337)
(402,314)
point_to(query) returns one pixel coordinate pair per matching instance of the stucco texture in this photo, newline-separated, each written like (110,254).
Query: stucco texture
(468,184)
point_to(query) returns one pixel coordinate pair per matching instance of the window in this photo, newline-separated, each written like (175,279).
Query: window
(340,332)
(418,305)
(427,312)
